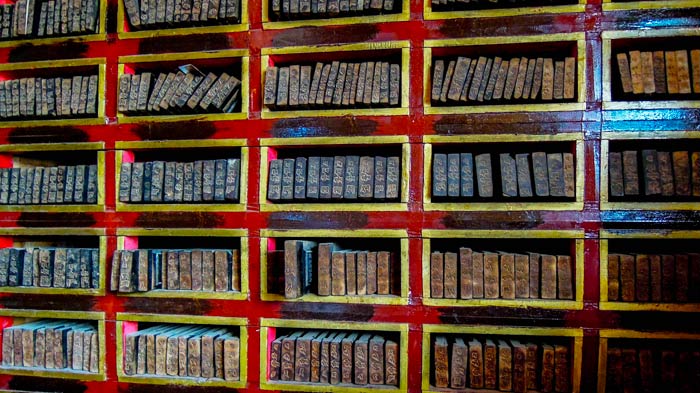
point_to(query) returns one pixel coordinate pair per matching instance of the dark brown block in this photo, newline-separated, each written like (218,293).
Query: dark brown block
(391,367)
(288,355)
(325,251)
(476,365)
(505,366)
(335,350)
(548,269)
(478,275)
(655,277)
(459,364)
(511,78)
(555,170)
(519,356)
(438,76)
(441,359)
(523,175)
(625,73)
(652,180)
(437,282)
(627,279)
(613,277)
(509,181)
(376,360)
(490,365)
(361,364)
(384,273)
(520,80)
(561,368)
(466,271)
(484,175)
(351,273)
(695,173)
(547,79)
(682,281)
(629,169)
(338,278)
(270,90)
(615,174)
(347,359)
(494,89)
(541,175)
(315,356)
(275,358)
(665,173)
(547,374)
(491,276)
(477,79)
(642,277)
(531,366)
(302,363)
(534,276)
(522,276)
(324,372)
(371,273)
(507,274)
(451,276)
(565,277)
(484,81)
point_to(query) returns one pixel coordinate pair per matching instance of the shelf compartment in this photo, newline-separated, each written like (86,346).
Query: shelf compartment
(99,35)
(51,69)
(271,147)
(572,337)
(563,45)
(616,5)
(644,40)
(269,330)
(50,237)
(568,242)
(234,61)
(132,239)
(124,31)
(38,154)
(9,317)
(349,52)
(639,141)
(273,239)
(651,340)
(271,24)
(650,242)
(131,322)
(148,150)
(563,7)
(437,142)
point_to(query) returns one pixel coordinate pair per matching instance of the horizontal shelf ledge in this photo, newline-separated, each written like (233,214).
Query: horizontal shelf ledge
(184,294)
(213,207)
(54,291)
(216,29)
(429,14)
(503,206)
(652,206)
(348,299)
(517,303)
(54,40)
(51,208)
(354,112)
(318,387)
(340,21)
(55,373)
(53,122)
(333,207)
(636,306)
(545,107)
(495,233)
(122,119)
(178,380)
(642,105)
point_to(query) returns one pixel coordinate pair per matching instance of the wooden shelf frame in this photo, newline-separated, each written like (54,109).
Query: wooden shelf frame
(240,323)
(98,147)
(605,303)
(99,62)
(185,144)
(235,55)
(576,236)
(607,334)
(269,24)
(266,337)
(99,35)
(393,234)
(238,234)
(577,39)
(320,142)
(429,14)
(579,157)
(27,315)
(124,32)
(402,47)
(605,203)
(60,232)
(574,333)
(607,59)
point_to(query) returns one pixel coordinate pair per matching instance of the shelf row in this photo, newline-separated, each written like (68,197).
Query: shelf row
(49,25)
(484,54)
(214,352)
(639,270)
(460,173)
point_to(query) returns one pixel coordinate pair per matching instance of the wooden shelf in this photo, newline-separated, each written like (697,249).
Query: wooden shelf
(128,239)
(267,335)
(575,237)
(325,142)
(9,70)
(269,24)
(268,235)
(135,318)
(614,334)
(606,204)
(465,205)
(641,39)
(350,52)
(429,14)
(27,315)
(571,44)
(642,235)
(185,144)
(576,336)
(14,151)
(160,63)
